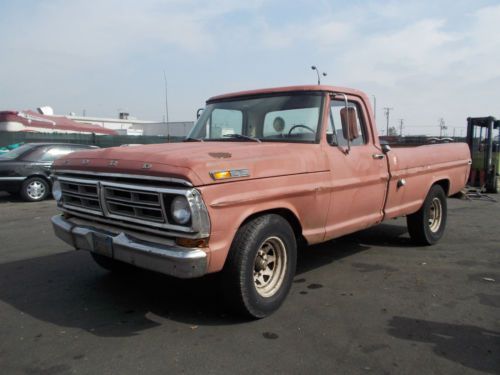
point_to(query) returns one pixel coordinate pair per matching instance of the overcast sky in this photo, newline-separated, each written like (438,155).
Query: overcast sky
(426,59)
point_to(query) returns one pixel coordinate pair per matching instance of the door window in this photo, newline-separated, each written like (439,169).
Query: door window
(344,121)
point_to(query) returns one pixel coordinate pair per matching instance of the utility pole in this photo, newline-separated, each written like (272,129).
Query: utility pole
(442,127)
(401,126)
(166,104)
(374,107)
(387,111)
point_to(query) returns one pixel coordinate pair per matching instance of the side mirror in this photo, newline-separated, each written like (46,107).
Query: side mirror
(386,148)
(345,127)
(198,112)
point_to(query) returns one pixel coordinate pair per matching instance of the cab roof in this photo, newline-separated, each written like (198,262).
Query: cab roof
(285,89)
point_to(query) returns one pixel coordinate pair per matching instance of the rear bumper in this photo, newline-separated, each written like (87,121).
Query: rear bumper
(168,259)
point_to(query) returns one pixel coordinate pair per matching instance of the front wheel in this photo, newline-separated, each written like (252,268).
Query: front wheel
(35,189)
(261,265)
(426,226)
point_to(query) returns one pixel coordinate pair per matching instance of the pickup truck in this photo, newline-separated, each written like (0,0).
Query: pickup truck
(261,173)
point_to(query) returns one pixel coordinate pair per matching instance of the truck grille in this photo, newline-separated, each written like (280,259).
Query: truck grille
(81,195)
(132,201)
(119,201)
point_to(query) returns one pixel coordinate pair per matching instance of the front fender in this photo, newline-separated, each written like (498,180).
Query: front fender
(230,204)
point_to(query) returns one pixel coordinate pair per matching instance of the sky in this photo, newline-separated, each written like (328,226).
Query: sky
(425,59)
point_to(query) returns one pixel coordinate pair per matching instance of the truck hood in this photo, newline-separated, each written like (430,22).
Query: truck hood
(195,160)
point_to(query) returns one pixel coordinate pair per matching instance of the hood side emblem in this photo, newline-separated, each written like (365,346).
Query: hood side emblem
(85,161)
(113,163)
(220,155)
(147,166)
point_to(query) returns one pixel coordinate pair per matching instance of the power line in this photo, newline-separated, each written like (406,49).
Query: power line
(442,127)
(387,111)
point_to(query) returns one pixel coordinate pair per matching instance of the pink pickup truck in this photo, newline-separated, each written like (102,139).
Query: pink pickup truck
(261,172)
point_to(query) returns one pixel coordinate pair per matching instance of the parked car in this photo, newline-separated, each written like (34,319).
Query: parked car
(9,148)
(25,170)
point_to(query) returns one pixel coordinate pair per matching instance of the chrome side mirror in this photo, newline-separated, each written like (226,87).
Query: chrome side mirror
(347,135)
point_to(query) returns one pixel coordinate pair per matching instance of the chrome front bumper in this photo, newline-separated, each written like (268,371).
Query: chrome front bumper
(167,259)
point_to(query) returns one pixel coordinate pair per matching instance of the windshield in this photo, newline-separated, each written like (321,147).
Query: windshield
(14,154)
(281,118)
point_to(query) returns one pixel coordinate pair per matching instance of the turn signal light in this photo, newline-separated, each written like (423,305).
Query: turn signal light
(221,175)
(229,173)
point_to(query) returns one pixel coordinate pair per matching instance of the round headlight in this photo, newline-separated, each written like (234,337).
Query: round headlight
(180,210)
(56,190)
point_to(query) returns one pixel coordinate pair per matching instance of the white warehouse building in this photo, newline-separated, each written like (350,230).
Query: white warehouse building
(131,126)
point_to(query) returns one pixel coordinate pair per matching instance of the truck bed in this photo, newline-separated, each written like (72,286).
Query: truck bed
(419,167)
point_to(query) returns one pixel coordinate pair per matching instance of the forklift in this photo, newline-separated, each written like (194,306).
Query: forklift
(483,138)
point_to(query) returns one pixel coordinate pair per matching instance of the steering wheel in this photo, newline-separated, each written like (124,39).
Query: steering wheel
(301,126)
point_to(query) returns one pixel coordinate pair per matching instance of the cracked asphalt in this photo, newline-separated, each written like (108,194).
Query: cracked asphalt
(368,303)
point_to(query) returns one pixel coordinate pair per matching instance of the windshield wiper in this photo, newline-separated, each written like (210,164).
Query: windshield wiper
(191,139)
(242,136)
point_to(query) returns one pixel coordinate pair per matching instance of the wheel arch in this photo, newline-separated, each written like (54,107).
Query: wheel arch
(444,183)
(39,175)
(287,214)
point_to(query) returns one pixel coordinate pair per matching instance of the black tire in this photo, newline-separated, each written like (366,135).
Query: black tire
(108,263)
(426,226)
(35,189)
(253,283)
(495,186)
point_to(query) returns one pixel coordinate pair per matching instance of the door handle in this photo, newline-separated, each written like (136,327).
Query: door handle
(378,156)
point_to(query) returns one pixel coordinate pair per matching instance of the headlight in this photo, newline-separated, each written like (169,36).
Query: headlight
(56,190)
(180,210)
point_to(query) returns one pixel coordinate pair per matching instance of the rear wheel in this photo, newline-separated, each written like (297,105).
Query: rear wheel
(260,266)
(35,189)
(426,226)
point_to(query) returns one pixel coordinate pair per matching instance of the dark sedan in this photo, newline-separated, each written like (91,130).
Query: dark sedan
(25,170)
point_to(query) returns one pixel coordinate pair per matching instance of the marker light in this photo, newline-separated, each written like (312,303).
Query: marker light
(229,173)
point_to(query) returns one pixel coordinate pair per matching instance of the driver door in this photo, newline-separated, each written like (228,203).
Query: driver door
(358,175)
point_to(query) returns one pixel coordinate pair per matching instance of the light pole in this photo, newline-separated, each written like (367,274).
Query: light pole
(314,67)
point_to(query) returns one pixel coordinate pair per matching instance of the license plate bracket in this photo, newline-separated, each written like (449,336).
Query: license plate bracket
(102,245)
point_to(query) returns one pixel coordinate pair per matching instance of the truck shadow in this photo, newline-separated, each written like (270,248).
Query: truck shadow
(70,290)
(12,198)
(7,198)
(471,346)
(384,235)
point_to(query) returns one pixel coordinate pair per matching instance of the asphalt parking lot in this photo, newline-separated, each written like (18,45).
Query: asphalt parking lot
(369,303)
